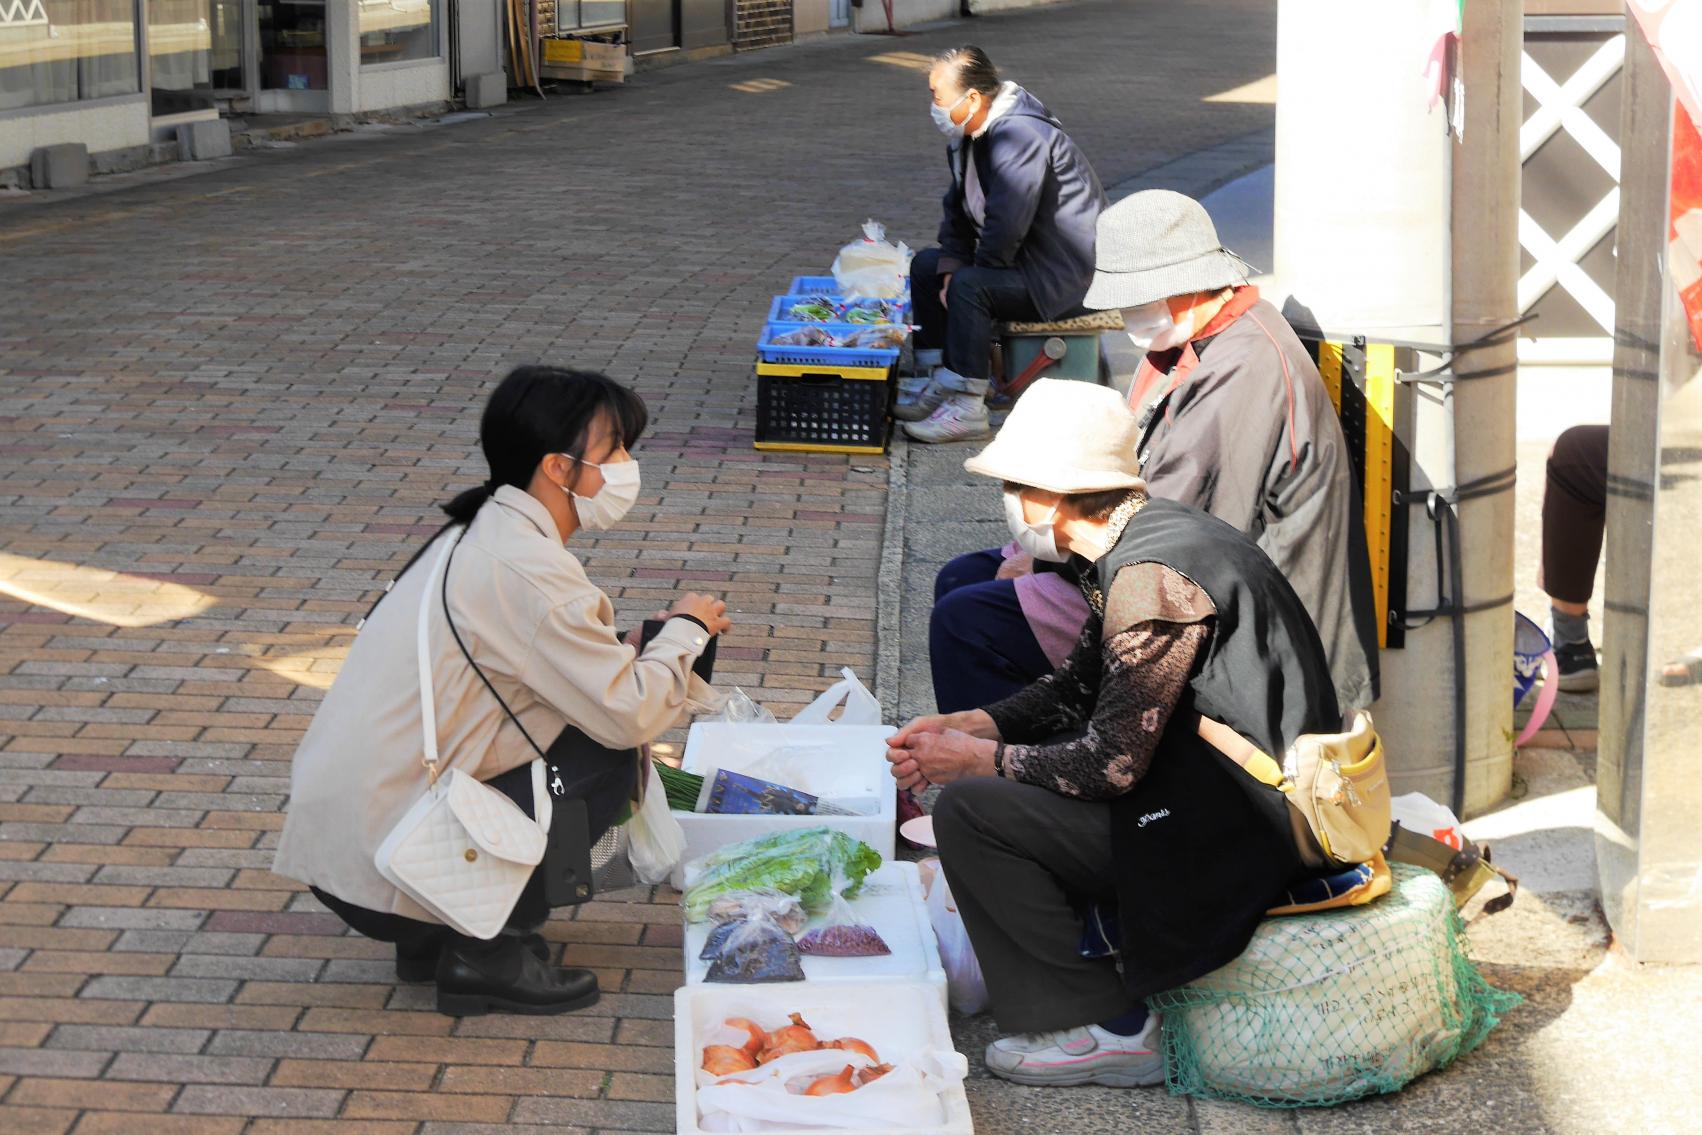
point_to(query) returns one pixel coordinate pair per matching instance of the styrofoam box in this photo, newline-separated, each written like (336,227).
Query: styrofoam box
(845,765)
(892,902)
(896,1017)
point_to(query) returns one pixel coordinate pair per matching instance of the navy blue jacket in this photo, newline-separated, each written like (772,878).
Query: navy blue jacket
(1043,201)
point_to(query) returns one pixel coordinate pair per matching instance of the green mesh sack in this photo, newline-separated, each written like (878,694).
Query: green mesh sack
(1324,1008)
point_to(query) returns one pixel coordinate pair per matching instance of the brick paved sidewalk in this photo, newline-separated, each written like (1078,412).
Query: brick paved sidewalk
(229,404)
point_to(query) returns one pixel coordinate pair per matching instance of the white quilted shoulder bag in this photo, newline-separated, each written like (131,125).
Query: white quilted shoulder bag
(464,851)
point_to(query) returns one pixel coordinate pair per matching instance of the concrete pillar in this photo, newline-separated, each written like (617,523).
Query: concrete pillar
(1648,793)
(1364,244)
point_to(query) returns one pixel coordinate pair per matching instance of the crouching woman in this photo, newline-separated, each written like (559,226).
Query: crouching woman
(522,652)
(1094,785)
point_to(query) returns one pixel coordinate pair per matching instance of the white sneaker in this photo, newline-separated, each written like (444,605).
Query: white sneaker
(920,401)
(961,417)
(1087,1055)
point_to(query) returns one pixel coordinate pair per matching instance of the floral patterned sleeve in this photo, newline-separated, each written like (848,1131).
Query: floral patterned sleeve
(1061,702)
(1165,623)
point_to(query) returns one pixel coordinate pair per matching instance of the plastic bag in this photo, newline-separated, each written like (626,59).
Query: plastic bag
(966,989)
(753,952)
(872,266)
(1417,812)
(861,708)
(812,311)
(805,863)
(803,337)
(877,339)
(843,935)
(873,311)
(655,840)
(740,709)
(782,909)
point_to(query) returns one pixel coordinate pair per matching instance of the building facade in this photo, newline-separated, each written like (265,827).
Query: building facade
(122,75)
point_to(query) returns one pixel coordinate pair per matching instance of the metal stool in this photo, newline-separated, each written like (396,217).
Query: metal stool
(1066,348)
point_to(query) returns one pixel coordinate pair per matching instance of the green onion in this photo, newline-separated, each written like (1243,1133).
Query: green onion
(682,788)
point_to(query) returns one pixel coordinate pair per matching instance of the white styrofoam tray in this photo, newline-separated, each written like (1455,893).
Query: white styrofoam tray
(842,764)
(892,902)
(903,1020)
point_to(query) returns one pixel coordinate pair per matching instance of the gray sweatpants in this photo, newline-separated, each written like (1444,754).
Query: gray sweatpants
(1015,856)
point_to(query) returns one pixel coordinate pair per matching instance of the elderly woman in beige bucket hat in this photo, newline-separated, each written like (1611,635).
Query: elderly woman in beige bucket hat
(1233,419)
(1096,783)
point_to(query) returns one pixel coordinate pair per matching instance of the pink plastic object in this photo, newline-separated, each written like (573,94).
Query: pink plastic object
(1545,699)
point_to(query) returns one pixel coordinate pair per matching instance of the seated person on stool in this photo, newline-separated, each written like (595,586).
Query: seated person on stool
(1016,242)
(1096,783)
(1234,419)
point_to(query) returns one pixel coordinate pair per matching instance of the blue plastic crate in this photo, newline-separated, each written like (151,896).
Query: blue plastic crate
(779,310)
(814,286)
(822,286)
(820,356)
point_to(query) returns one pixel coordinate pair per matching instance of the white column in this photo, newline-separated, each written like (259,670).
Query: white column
(1362,242)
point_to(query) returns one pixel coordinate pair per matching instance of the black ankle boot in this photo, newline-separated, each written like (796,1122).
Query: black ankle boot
(504,975)
(419,964)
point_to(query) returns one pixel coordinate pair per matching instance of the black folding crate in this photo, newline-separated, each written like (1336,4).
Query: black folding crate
(822,409)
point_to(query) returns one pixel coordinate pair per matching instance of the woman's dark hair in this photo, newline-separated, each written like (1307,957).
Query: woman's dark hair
(539,410)
(975,72)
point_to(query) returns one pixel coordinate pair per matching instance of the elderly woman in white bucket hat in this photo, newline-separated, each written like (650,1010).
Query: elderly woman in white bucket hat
(1096,783)
(1233,418)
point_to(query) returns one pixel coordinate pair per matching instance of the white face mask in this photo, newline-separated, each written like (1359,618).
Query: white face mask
(1151,327)
(942,118)
(1038,540)
(618,494)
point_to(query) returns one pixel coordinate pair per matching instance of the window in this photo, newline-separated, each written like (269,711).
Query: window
(180,55)
(392,31)
(55,51)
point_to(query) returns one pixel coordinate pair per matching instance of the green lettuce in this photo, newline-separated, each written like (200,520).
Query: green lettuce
(813,864)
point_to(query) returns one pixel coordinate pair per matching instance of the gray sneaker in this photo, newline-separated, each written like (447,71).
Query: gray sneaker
(960,417)
(916,405)
(1088,1055)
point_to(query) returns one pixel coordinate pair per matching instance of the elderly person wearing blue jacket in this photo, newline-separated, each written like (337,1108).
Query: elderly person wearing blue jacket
(1016,244)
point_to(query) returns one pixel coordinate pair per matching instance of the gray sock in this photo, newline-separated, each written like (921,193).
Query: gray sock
(1569,630)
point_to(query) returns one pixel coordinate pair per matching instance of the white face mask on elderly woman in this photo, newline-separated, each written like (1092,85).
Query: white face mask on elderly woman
(613,501)
(1151,327)
(1038,540)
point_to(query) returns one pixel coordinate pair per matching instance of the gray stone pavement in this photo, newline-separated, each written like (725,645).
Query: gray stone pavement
(231,396)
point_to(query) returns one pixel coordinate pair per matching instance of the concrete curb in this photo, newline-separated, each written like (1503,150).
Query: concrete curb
(1195,174)
(889,581)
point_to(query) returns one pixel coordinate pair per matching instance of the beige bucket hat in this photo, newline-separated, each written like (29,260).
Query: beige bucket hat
(1065,437)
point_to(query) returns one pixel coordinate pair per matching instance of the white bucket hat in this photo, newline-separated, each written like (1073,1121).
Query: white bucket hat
(1066,437)
(1157,244)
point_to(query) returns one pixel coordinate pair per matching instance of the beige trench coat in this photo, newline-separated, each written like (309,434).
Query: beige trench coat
(545,637)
